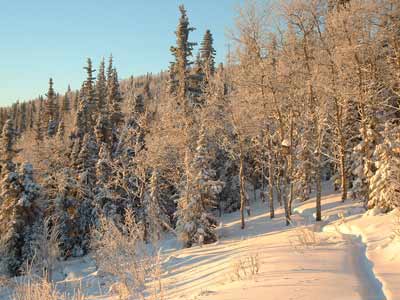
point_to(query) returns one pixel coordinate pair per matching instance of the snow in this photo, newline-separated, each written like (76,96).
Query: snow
(351,254)
(382,247)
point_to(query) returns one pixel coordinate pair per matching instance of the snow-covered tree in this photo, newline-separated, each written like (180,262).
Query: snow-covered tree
(385,183)
(207,54)
(19,211)
(101,88)
(156,218)
(179,69)
(195,219)
(7,151)
(50,112)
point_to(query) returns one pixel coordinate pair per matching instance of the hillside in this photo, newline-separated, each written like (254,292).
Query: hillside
(351,254)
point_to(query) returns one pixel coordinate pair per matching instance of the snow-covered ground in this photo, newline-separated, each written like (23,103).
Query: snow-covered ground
(351,254)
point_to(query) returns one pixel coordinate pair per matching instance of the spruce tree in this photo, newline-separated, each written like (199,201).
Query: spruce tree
(15,116)
(182,52)
(89,94)
(103,129)
(18,212)
(156,217)
(23,122)
(207,54)
(110,69)
(76,101)
(66,211)
(18,194)
(7,150)
(101,88)
(32,113)
(87,158)
(115,100)
(66,104)
(50,111)
(61,131)
(195,220)
(385,183)
(3,117)
(81,206)
(103,174)
(82,117)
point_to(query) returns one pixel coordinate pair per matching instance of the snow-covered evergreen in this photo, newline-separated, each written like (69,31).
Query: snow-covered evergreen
(195,219)
(385,183)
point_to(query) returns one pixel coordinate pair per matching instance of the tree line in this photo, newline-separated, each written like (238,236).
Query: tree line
(309,93)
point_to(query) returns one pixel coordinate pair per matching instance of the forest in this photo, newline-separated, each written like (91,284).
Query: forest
(307,98)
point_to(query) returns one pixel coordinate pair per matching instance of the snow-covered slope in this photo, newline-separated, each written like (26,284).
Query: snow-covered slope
(349,255)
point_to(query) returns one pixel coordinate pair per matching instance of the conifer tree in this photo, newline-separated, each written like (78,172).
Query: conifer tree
(82,118)
(81,210)
(50,111)
(87,158)
(103,175)
(3,117)
(61,131)
(182,52)
(23,117)
(18,213)
(103,129)
(195,220)
(18,193)
(156,217)
(76,101)
(15,116)
(110,69)
(115,100)
(66,104)
(385,183)
(89,94)
(101,88)
(66,211)
(207,54)
(7,151)
(31,115)
(38,129)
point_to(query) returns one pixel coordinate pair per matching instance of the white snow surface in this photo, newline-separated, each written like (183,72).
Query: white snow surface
(352,255)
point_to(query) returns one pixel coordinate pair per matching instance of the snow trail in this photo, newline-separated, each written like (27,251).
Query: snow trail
(363,267)
(337,266)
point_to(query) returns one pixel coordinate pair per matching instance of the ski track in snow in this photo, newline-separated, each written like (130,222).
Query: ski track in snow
(363,267)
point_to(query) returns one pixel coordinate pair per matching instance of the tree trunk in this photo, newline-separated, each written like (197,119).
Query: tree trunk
(290,165)
(291,198)
(285,199)
(278,189)
(318,180)
(242,192)
(342,149)
(271,189)
(343,174)
(255,192)
(262,195)
(286,206)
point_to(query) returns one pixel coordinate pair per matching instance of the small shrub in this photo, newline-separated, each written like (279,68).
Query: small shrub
(46,251)
(38,288)
(121,252)
(245,268)
(304,238)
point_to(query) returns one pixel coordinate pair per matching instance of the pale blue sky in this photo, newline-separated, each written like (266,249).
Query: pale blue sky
(43,38)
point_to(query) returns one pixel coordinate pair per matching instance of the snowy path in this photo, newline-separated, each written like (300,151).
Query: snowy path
(372,287)
(336,267)
(352,257)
